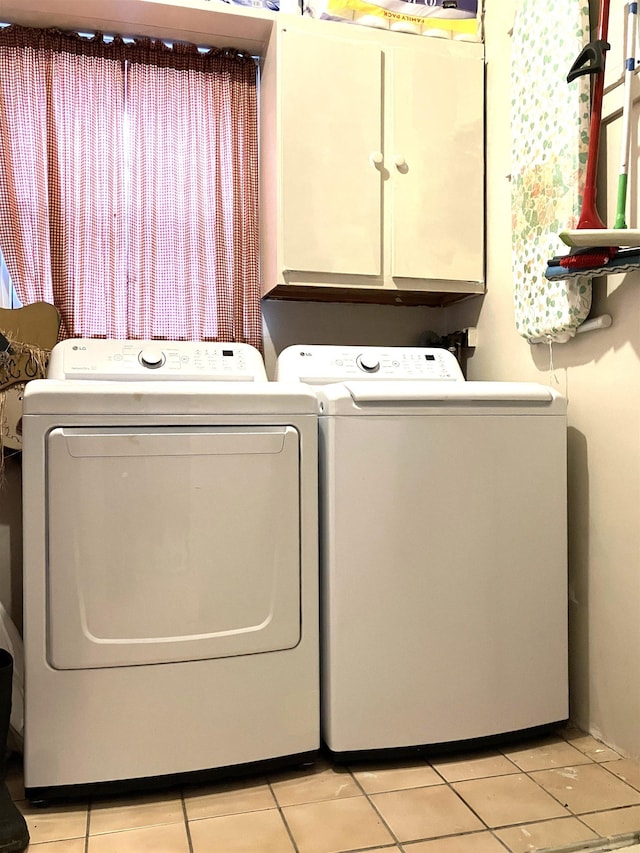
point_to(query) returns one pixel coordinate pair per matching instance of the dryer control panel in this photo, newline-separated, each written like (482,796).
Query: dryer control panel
(89,358)
(321,365)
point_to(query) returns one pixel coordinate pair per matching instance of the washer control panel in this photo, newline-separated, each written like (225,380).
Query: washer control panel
(155,360)
(321,365)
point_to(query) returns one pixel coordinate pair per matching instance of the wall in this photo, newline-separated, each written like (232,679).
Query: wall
(600,373)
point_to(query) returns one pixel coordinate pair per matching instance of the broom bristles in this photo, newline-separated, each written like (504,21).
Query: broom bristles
(586,261)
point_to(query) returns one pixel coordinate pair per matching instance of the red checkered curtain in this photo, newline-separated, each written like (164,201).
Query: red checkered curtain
(128,185)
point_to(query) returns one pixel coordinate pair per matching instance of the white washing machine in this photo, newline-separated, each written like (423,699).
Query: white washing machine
(443,549)
(170,564)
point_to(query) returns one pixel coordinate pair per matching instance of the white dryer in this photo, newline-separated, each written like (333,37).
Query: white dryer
(443,549)
(170,564)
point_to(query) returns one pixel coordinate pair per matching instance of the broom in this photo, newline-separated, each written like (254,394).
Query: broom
(624,260)
(629,68)
(591,60)
(600,253)
(631,237)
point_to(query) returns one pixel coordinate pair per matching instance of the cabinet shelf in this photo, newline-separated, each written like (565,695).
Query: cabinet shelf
(436,298)
(203,22)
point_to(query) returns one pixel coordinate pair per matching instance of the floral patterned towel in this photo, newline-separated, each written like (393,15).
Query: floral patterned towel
(549,144)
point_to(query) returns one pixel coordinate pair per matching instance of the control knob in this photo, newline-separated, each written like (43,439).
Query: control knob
(368,362)
(151,358)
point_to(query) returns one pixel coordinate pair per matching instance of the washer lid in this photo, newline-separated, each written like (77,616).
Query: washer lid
(354,398)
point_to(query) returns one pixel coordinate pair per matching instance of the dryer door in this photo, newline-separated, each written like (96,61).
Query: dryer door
(171,544)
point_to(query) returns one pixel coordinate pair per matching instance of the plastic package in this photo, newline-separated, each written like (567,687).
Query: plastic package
(292,7)
(454,19)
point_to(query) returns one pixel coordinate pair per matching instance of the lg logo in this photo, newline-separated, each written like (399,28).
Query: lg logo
(75,347)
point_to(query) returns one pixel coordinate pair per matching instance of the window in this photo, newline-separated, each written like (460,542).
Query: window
(129,185)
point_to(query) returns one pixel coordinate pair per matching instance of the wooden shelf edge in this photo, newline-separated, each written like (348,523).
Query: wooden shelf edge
(369,296)
(206,22)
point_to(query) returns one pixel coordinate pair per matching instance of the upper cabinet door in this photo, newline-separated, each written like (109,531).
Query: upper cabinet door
(437,164)
(330,138)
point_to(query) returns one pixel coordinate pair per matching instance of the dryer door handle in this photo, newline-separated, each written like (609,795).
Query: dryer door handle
(168,441)
(448,392)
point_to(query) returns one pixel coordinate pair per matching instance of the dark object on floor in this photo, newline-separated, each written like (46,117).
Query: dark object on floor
(14,835)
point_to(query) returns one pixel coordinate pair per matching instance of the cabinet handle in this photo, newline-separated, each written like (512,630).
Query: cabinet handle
(399,161)
(376,158)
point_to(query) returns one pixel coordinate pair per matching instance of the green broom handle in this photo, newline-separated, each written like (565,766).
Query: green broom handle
(629,68)
(621,221)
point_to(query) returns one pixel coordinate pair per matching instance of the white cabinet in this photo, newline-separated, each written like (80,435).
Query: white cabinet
(331,130)
(372,175)
(437,132)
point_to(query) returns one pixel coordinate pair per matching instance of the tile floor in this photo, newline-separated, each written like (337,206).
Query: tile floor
(550,792)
